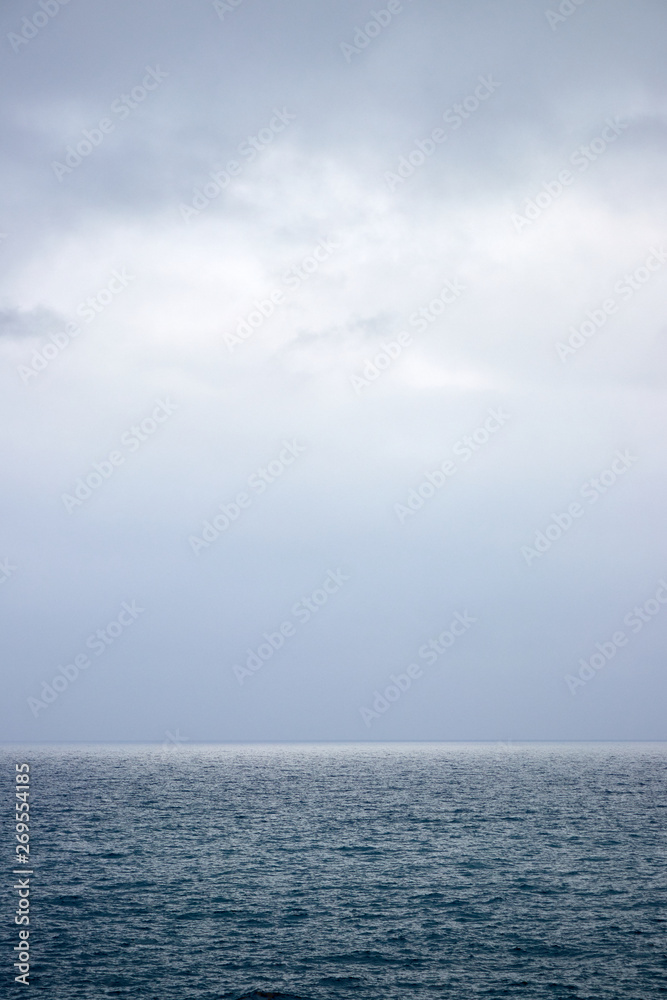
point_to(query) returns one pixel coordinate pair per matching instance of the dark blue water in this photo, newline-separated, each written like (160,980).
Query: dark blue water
(326,871)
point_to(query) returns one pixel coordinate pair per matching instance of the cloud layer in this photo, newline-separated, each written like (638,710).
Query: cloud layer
(269,272)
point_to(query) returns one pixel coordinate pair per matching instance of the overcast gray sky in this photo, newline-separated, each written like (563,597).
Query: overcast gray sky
(363,439)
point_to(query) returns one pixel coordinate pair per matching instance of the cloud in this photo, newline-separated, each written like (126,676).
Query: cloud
(256,310)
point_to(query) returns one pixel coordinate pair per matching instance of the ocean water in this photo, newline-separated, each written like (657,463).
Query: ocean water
(343,870)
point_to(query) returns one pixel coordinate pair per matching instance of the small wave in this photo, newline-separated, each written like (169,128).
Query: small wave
(262,995)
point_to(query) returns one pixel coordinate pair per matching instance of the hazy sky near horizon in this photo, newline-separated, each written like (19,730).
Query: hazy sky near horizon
(402,367)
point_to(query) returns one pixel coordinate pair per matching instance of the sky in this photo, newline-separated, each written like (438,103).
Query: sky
(333,370)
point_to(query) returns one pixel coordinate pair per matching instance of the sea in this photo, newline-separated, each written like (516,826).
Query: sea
(337,870)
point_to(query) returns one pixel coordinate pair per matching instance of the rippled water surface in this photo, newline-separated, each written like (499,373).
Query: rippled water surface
(360,871)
